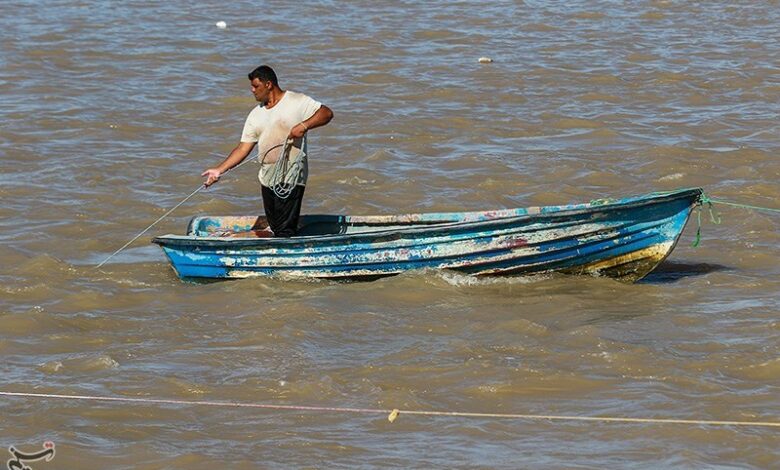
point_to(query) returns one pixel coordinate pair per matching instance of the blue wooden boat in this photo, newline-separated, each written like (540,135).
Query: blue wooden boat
(623,238)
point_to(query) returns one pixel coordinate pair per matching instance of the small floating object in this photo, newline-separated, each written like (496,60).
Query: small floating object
(484,60)
(221,24)
(393,415)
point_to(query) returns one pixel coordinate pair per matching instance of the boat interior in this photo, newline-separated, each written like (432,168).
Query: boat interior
(311,225)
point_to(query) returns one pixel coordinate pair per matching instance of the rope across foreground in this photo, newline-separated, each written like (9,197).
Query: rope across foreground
(393,414)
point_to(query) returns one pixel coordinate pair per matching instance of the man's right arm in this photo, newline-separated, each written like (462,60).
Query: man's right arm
(234,158)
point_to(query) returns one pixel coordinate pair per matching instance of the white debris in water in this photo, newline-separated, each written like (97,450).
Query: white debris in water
(221,24)
(484,60)
(106,362)
(673,176)
(51,366)
(355,181)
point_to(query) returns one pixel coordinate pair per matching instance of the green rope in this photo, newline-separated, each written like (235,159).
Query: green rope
(698,228)
(707,200)
(744,206)
(704,199)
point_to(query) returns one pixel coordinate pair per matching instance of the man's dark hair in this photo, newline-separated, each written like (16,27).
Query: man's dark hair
(264,73)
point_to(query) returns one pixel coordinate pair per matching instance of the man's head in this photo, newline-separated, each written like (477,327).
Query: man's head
(263,80)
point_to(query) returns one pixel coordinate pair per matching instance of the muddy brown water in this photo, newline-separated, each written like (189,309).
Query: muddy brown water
(110,110)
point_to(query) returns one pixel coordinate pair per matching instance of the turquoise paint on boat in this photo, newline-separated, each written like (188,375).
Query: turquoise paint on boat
(622,238)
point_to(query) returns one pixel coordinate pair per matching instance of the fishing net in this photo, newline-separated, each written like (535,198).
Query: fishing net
(286,171)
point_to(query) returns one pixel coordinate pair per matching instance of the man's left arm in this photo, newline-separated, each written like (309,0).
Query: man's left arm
(321,117)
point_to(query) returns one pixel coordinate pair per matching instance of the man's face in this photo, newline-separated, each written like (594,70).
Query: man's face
(261,90)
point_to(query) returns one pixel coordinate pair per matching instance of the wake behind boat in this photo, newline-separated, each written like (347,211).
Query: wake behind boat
(624,239)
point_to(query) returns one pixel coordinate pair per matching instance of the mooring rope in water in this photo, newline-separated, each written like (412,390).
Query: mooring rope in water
(201,187)
(736,204)
(393,414)
(704,199)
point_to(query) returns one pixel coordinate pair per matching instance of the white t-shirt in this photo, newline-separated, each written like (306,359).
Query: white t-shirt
(269,127)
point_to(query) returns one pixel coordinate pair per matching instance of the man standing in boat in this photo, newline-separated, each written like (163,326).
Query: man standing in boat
(279,123)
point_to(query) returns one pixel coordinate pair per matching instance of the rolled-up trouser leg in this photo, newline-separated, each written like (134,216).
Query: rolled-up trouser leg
(283,214)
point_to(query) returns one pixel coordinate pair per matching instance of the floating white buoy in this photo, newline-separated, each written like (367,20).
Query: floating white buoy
(485,60)
(221,25)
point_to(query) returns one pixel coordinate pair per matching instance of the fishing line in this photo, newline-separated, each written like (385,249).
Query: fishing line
(201,187)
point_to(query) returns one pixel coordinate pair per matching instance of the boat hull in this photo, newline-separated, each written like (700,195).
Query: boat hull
(624,239)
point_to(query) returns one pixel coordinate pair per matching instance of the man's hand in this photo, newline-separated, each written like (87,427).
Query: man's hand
(212,176)
(298,131)
(321,117)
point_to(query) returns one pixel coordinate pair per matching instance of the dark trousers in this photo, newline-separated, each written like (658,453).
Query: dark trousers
(283,214)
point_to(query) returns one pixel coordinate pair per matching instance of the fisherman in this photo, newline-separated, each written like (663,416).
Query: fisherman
(280,122)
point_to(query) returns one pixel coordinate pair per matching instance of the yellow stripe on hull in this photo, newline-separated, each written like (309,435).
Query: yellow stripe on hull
(629,267)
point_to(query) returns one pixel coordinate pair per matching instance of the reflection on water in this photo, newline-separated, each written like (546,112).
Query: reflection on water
(670,271)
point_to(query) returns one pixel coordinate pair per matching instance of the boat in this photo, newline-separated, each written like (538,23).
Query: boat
(620,238)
